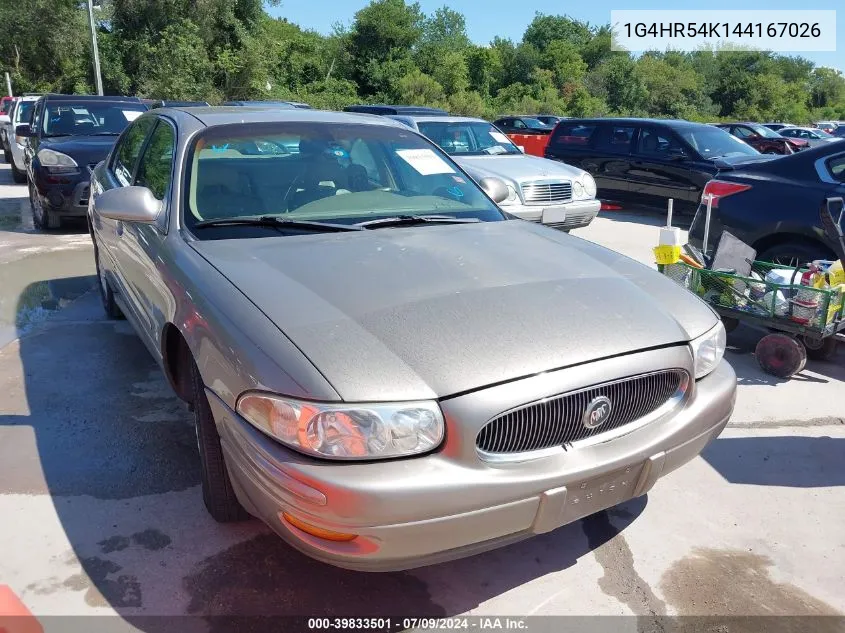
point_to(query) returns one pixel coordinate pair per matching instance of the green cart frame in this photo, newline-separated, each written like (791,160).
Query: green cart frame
(803,321)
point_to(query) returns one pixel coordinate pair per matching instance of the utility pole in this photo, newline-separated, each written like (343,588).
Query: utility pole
(97,77)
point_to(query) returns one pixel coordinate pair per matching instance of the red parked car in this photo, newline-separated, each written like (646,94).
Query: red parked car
(763,139)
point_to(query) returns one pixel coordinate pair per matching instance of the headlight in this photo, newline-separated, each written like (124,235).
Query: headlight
(512,195)
(346,431)
(708,350)
(56,162)
(589,185)
(577,189)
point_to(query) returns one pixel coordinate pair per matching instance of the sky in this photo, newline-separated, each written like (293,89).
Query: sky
(508,18)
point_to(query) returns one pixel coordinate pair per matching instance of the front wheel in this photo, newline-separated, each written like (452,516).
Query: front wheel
(42,218)
(217,491)
(794,253)
(17,175)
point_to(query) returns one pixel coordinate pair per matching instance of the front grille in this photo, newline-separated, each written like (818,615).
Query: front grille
(557,421)
(544,192)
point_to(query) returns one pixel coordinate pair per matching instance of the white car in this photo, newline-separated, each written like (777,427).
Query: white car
(815,136)
(540,190)
(19,114)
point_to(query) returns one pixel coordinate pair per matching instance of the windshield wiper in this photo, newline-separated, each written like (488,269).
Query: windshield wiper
(408,220)
(279,223)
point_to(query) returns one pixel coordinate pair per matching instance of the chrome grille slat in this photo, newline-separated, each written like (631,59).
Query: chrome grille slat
(545,192)
(557,421)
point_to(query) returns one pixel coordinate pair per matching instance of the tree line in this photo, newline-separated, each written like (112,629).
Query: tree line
(216,50)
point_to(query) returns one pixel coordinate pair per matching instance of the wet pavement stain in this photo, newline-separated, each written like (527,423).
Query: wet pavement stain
(732,582)
(620,579)
(123,591)
(113,544)
(151,539)
(265,577)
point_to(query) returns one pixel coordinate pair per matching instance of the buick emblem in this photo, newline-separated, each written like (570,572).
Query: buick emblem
(597,412)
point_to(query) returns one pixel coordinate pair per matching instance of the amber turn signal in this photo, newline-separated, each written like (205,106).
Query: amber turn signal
(316,531)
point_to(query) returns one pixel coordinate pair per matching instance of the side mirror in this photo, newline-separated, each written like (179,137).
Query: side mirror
(23,130)
(128,204)
(495,188)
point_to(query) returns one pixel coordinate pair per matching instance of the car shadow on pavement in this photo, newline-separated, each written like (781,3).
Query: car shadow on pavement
(647,217)
(92,432)
(793,461)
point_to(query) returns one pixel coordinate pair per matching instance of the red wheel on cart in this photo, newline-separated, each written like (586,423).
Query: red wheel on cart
(781,355)
(820,348)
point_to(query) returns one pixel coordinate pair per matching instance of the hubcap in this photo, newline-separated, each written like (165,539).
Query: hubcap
(36,206)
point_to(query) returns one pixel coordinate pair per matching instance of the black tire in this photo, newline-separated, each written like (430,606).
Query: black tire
(794,253)
(730,324)
(17,175)
(781,355)
(42,218)
(820,348)
(110,306)
(217,492)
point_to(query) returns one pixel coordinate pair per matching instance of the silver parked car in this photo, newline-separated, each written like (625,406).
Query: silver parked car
(813,136)
(539,189)
(382,366)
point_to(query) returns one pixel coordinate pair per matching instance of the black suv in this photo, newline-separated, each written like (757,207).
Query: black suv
(644,162)
(68,135)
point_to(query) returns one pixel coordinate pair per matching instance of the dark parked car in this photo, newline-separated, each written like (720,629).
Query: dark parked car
(644,162)
(271,104)
(67,137)
(763,139)
(410,110)
(839,132)
(774,205)
(549,119)
(523,125)
(163,103)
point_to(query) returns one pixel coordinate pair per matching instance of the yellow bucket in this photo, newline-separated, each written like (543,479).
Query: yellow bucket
(666,255)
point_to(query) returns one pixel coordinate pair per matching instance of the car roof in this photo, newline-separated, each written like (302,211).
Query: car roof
(226,115)
(380,108)
(81,98)
(439,119)
(634,121)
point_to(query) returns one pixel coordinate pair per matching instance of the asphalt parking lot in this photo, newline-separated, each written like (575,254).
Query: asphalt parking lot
(99,488)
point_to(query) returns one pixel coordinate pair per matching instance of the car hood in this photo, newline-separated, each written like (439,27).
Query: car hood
(85,150)
(432,311)
(517,168)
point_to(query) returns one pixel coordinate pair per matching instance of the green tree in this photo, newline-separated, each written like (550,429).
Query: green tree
(545,29)
(418,88)
(564,60)
(177,65)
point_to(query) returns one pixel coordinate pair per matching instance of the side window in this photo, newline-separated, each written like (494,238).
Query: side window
(36,117)
(503,123)
(574,136)
(837,168)
(129,148)
(156,164)
(518,124)
(656,142)
(617,138)
(742,132)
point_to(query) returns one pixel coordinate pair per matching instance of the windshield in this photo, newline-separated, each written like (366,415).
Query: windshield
(337,173)
(534,123)
(468,138)
(822,134)
(763,131)
(24,111)
(94,117)
(713,142)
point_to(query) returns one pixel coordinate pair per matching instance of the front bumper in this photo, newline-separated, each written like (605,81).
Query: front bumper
(569,215)
(450,504)
(63,196)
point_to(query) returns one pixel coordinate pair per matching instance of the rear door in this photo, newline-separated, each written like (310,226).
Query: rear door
(660,170)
